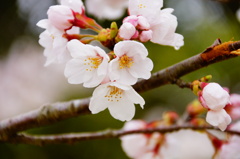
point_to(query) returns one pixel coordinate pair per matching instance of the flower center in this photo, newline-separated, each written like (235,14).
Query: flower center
(92,63)
(141,6)
(125,61)
(114,94)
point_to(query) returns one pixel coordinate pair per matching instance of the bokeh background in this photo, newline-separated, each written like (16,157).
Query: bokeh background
(25,84)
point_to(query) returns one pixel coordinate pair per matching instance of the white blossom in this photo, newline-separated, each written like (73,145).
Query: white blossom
(130,63)
(161,22)
(119,100)
(88,66)
(215,98)
(106,9)
(55,45)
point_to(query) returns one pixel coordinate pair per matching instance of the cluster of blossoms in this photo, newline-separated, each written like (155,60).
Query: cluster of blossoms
(185,144)
(113,72)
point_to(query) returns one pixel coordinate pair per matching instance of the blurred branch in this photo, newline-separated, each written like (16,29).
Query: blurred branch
(52,113)
(73,138)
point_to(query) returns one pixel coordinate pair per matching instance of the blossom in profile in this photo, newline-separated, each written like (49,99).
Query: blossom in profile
(151,23)
(54,43)
(119,99)
(215,98)
(63,16)
(106,9)
(89,64)
(131,63)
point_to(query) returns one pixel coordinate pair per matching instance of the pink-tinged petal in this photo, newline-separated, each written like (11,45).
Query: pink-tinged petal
(143,23)
(123,110)
(145,36)
(126,31)
(142,69)
(73,30)
(75,5)
(144,7)
(218,118)
(132,19)
(130,48)
(59,16)
(215,96)
(134,97)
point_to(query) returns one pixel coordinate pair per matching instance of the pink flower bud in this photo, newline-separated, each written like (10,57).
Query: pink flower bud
(133,19)
(126,31)
(215,97)
(143,23)
(60,16)
(145,36)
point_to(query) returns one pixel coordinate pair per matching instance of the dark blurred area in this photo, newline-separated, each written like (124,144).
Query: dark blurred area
(200,22)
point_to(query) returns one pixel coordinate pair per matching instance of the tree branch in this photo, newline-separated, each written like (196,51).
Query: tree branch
(73,138)
(52,113)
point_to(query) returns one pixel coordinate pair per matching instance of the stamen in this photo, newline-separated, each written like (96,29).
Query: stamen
(125,61)
(114,94)
(92,63)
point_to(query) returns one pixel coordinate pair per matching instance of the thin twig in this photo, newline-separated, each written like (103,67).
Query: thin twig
(72,138)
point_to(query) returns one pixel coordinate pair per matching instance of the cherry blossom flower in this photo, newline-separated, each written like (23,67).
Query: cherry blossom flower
(152,24)
(187,144)
(215,98)
(159,146)
(140,146)
(119,99)
(62,16)
(88,66)
(54,43)
(231,148)
(106,9)
(130,63)
(233,109)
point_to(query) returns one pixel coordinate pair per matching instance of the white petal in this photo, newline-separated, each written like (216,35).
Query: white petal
(218,118)
(78,49)
(142,69)
(98,101)
(43,23)
(144,7)
(134,97)
(123,110)
(130,48)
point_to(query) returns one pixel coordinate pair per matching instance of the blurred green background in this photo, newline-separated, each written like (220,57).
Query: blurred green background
(200,22)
